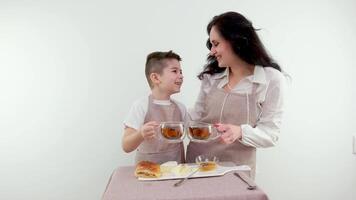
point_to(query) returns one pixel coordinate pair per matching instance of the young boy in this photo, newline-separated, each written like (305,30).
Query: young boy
(164,76)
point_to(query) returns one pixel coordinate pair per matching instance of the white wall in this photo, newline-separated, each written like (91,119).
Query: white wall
(69,71)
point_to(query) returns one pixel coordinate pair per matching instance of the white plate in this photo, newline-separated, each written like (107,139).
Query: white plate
(219,171)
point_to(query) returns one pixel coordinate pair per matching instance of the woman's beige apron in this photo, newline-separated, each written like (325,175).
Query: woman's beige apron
(159,150)
(228,108)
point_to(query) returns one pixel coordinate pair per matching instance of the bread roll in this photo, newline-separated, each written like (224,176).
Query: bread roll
(147,169)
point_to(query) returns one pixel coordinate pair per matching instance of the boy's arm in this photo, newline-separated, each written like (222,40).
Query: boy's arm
(133,138)
(133,122)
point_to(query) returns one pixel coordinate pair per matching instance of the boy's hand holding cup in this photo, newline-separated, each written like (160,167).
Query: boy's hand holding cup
(148,130)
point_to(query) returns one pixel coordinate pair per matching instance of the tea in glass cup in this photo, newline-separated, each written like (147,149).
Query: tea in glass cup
(207,163)
(172,131)
(201,132)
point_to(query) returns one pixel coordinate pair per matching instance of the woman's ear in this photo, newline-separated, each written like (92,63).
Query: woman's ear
(155,78)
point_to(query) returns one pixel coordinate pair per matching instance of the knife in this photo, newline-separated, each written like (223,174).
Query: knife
(251,185)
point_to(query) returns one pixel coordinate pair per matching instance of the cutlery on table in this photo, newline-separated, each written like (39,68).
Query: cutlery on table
(186,178)
(251,185)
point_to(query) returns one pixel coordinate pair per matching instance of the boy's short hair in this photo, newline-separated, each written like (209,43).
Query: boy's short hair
(155,63)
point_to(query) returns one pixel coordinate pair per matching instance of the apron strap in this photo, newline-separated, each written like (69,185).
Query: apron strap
(253,92)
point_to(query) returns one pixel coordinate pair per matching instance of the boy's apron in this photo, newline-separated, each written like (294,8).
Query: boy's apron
(228,108)
(159,150)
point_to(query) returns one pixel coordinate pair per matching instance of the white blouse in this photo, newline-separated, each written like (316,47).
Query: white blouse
(270,92)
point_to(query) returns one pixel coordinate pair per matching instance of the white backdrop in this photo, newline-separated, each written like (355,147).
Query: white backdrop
(69,71)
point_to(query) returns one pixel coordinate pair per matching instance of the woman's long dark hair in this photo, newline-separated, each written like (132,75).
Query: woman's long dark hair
(239,32)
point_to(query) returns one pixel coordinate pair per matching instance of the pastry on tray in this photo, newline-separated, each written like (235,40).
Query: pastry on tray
(147,169)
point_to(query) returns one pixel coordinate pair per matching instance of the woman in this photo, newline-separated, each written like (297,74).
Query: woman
(241,93)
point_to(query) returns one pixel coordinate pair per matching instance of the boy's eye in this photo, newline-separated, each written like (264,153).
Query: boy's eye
(176,71)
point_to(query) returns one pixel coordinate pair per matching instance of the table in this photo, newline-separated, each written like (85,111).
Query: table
(123,185)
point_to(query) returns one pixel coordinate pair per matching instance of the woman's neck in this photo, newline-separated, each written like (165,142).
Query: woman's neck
(238,71)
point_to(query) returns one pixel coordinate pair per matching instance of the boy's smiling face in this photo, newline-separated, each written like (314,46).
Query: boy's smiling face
(171,78)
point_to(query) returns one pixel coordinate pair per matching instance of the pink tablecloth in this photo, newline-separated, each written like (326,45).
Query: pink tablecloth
(123,185)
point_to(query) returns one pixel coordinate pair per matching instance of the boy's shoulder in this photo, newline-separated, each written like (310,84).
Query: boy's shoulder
(140,103)
(180,105)
(137,112)
(177,102)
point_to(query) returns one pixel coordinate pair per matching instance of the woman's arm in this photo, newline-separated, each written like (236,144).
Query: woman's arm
(266,132)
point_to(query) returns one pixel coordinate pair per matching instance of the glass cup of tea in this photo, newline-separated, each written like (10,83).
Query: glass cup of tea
(207,162)
(172,131)
(202,132)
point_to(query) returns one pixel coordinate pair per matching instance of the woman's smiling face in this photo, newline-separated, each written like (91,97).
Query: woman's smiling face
(220,48)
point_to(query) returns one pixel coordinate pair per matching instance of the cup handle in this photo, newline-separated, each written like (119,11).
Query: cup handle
(216,133)
(158,132)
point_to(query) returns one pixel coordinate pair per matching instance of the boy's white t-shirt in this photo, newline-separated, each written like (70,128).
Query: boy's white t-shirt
(136,116)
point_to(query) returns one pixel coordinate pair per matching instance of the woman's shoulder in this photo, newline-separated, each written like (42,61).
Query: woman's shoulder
(273,74)
(208,81)
(211,78)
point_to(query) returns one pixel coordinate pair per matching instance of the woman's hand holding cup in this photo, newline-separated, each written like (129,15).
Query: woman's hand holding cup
(229,133)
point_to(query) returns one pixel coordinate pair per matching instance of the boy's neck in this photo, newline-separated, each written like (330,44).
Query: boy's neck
(158,95)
